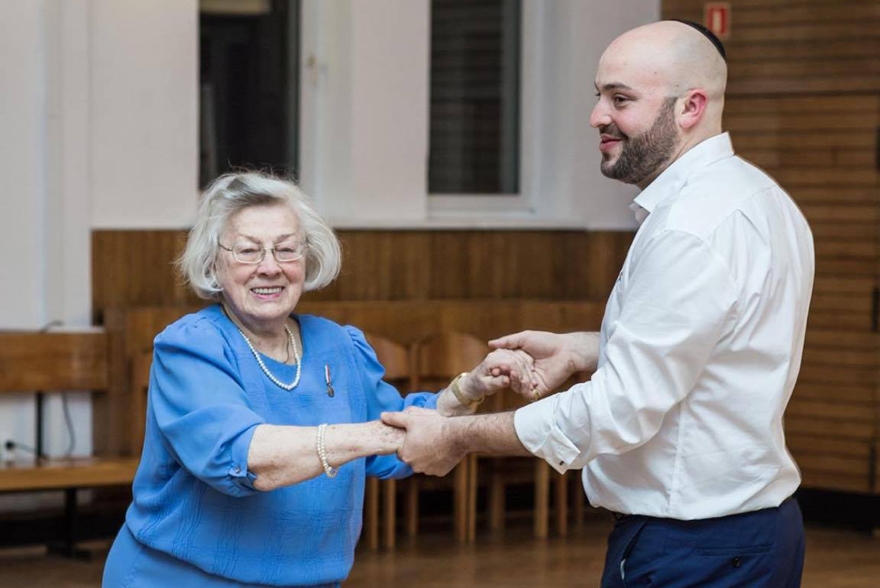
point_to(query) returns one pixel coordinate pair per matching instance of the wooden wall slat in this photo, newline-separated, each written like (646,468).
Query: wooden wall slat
(672,7)
(835,339)
(844,285)
(768,121)
(844,231)
(830,428)
(864,138)
(861,394)
(828,320)
(765,15)
(830,48)
(838,194)
(834,480)
(806,444)
(849,413)
(798,105)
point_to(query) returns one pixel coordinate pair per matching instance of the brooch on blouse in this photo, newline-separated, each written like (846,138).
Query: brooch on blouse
(330,391)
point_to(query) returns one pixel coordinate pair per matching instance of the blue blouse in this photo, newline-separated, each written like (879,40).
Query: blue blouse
(194,497)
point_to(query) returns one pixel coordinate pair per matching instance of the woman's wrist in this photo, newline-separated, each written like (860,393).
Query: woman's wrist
(460,386)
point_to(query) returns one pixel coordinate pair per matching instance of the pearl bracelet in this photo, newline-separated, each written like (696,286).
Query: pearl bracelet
(322,453)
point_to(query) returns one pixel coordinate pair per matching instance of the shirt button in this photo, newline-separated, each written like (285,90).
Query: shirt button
(237,470)
(737,561)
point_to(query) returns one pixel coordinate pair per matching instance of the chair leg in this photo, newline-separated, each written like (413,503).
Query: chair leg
(579,499)
(497,502)
(560,482)
(412,506)
(460,506)
(542,498)
(371,513)
(472,475)
(67,546)
(389,495)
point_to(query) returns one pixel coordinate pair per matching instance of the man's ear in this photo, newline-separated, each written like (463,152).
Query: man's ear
(692,108)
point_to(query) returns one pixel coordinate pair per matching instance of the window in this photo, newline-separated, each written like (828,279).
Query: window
(475,97)
(248,85)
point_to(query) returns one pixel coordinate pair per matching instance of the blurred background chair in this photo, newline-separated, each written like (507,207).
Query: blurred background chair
(435,360)
(395,358)
(501,473)
(140,384)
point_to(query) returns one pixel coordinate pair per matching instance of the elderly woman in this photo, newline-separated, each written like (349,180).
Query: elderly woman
(262,424)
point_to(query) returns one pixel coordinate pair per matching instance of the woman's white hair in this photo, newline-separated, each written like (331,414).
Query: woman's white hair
(234,192)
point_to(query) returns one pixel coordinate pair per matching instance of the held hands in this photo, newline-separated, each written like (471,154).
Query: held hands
(430,445)
(501,369)
(531,363)
(555,358)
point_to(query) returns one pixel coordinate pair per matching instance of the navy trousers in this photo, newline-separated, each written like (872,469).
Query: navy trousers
(761,549)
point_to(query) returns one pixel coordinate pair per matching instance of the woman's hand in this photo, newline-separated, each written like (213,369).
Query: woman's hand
(501,369)
(385,439)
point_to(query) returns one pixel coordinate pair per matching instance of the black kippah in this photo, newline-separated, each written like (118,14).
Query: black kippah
(706,33)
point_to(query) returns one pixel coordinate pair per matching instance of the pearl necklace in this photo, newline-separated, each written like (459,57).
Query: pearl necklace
(265,369)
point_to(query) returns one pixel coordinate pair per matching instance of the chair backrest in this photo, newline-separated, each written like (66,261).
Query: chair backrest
(49,361)
(140,384)
(394,357)
(438,358)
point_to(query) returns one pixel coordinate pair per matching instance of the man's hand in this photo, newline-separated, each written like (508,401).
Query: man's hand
(430,446)
(556,357)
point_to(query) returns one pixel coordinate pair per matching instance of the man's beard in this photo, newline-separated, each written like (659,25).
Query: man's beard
(642,156)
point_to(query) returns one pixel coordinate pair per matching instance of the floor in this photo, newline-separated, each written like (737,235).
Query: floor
(836,558)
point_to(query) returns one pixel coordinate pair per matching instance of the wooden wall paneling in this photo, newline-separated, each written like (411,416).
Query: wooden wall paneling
(797,46)
(802,103)
(134,268)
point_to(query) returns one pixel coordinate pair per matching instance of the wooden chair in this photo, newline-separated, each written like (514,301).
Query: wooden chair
(501,472)
(436,359)
(140,384)
(506,471)
(394,357)
(52,362)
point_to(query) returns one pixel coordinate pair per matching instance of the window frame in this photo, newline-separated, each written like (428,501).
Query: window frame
(444,206)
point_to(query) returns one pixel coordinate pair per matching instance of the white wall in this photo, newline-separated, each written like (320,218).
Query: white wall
(144,113)
(98,116)
(22,165)
(365,110)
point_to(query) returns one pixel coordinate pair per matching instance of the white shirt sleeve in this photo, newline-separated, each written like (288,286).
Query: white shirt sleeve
(677,301)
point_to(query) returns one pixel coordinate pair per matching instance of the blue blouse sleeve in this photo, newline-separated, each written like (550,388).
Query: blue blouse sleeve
(382,397)
(201,407)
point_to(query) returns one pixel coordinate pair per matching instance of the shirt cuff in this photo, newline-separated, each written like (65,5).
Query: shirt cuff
(238,471)
(536,428)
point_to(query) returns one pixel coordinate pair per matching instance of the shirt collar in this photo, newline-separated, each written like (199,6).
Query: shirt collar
(674,177)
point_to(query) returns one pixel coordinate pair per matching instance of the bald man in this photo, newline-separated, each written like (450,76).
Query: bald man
(679,430)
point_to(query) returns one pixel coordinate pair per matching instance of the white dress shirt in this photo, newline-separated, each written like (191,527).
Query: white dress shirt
(699,350)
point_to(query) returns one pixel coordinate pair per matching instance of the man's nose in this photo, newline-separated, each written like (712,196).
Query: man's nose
(599,116)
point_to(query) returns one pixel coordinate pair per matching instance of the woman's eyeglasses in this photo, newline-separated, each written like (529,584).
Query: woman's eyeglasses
(252,254)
